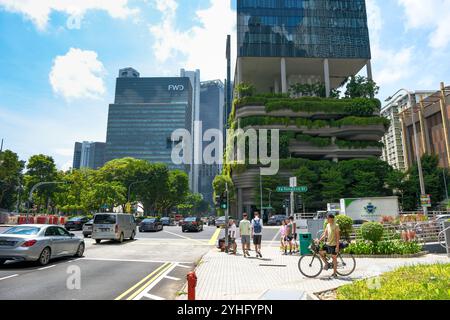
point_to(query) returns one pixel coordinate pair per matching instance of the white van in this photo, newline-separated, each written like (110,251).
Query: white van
(113,226)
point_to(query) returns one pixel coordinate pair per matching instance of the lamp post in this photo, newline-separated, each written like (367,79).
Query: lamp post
(40,184)
(416,143)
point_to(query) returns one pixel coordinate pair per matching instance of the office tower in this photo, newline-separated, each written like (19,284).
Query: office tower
(89,155)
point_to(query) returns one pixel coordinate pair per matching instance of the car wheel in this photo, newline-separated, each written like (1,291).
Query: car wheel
(121,238)
(97,241)
(133,235)
(44,257)
(80,250)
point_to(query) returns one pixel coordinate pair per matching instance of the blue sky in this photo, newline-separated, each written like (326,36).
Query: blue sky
(59,58)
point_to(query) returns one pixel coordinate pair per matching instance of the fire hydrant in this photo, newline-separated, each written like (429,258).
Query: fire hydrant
(192,283)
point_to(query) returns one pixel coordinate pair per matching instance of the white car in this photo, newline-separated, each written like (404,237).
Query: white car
(113,226)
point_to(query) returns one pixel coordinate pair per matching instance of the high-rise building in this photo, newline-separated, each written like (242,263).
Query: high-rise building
(194,77)
(393,148)
(212,104)
(89,155)
(431,116)
(284,42)
(145,113)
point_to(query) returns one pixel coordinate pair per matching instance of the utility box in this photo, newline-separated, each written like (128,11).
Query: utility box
(305,243)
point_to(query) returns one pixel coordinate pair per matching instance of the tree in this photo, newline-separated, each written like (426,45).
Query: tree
(10,176)
(191,204)
(105,194)
(309,178)
(175,192)
(333,185)
(361,87)
(41,168)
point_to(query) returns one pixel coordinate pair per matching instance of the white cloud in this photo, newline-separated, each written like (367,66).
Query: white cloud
(429,14)
(38,11)
(78,74)
(200,46)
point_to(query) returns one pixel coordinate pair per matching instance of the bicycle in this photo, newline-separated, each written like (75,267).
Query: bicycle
(311,266)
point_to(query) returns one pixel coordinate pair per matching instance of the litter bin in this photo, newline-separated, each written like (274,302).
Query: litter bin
(305,242)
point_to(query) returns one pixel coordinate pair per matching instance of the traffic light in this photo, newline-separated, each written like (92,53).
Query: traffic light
(218,201)
(221,201)
(286,203)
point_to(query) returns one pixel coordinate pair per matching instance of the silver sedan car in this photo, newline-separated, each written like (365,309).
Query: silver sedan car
(39,243)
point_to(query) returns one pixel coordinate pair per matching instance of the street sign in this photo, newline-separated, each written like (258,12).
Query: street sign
(292,189)
(425,200)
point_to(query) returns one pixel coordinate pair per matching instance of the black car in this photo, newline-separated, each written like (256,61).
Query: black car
(151,224)
(166,221)
(76,223)
(192,224)
(276,220)
(211,221)
(87,228)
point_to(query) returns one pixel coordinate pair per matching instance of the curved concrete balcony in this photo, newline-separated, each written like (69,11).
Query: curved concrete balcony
(307,150)
(252,111)
(370,132)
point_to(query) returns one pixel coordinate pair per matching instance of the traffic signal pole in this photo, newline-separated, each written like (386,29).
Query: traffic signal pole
(226,219)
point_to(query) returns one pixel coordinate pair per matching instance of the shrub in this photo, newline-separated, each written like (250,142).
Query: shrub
(345,225)
(372,231)
(245,90)
(396,247)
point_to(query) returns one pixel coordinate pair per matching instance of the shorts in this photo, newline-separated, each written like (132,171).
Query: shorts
(330,250)
(289,238)
(245,240)
(257,239)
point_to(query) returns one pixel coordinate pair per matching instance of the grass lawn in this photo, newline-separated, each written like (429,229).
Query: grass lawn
(424,282)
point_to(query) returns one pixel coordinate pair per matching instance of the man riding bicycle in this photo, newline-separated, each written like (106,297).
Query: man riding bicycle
(332,236)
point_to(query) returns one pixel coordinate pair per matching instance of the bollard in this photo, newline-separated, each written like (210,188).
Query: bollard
(192,283)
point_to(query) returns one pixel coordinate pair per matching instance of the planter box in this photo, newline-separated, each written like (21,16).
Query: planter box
(393,256)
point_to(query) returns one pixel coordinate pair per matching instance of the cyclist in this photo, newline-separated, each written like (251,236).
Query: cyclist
(332,236)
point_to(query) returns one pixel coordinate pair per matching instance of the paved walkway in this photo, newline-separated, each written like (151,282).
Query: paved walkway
(228,277)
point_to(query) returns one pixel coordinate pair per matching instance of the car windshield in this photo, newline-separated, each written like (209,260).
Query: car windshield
(190,219)
(149,220)
(76,219)
(105,219)
(165,219)
(23,230)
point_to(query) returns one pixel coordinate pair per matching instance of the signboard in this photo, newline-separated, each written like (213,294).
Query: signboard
(292,189)
(425,200)
(293,182)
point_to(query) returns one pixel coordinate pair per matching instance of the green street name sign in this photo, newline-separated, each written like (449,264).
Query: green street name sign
(292,189)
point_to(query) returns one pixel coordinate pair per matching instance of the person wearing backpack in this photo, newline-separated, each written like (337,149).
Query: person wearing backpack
(257,228)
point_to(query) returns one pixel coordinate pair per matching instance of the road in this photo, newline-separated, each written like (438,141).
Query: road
(152,267)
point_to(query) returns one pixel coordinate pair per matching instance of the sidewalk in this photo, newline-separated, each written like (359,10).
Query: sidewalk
(227,277)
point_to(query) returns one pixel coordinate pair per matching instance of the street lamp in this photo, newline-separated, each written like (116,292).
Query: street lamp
(270,197)
(416,143)
(40,184)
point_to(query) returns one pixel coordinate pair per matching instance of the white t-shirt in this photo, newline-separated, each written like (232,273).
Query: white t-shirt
(253,226)
(232,231)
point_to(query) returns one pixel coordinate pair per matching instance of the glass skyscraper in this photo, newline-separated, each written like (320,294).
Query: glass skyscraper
(89,155)
(145,113)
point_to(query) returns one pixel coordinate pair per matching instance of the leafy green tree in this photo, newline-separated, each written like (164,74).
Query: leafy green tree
(41,168)
(361,87)
(104,194)
(333,185)
(192,204)
(175,192)
(309,178)
(10,176)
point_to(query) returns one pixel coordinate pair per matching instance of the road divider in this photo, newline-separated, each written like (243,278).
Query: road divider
(131,293)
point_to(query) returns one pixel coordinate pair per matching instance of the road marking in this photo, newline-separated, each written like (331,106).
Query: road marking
(152,283)
(183,237)
(129,260)
(9,277)
(172,278)
(45,268)
(153,297)
(137,295)
(182,266)
(142,281)
(214,238)
(275,238)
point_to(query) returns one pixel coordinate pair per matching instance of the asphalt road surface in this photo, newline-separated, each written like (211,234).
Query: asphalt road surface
(152,267)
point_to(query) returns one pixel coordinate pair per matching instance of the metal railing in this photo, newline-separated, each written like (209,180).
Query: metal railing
(444,242)
(429,232)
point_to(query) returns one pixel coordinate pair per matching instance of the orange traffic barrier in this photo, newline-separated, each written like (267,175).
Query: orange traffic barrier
(53,220)
(62,221)
(41,220)
(30,220)
(21,220)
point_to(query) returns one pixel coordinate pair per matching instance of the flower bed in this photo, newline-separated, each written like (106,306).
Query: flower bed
(384,248)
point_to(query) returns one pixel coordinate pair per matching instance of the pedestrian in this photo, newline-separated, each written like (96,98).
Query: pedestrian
(294,235)
(257,229)
(283,235)
(232,232)
(289,236)
(245,230)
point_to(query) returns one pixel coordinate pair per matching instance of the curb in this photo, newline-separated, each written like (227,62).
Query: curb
(394,256)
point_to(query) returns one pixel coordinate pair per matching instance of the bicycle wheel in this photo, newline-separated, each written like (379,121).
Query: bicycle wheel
(346,264)
(310,266)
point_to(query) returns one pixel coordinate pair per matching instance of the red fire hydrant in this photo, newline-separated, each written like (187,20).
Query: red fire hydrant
(192,283)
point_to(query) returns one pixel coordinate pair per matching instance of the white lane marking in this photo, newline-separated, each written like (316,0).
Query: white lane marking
(129,260)
(154,283)
(153,297)
(275,238)
(45,268)
(182,266)
(173,278)
(183,237)
(9,277)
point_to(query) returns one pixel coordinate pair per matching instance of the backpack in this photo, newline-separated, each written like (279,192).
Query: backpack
(257,228)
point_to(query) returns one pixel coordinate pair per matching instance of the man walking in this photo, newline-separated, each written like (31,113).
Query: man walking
(245,230)
(257,227)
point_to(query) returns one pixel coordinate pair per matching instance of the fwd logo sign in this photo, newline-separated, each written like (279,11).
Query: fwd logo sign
(174,87)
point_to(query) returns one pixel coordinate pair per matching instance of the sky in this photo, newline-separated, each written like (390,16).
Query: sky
(59,58)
